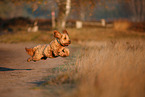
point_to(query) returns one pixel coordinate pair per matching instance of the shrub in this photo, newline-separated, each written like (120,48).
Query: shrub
(122,24)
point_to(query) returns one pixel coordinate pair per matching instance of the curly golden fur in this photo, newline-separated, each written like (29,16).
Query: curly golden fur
(54,49)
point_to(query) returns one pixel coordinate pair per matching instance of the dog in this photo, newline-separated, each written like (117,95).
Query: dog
(54,49)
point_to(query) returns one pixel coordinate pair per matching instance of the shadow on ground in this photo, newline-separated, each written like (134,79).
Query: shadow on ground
(10,69)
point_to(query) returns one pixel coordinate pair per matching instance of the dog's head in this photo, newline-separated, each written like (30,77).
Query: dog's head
(63,38)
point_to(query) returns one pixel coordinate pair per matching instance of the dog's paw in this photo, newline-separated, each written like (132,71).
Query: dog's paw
(44,58)
(34,60)
(28,60)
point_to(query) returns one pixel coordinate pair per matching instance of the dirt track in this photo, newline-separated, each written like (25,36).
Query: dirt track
(17,76)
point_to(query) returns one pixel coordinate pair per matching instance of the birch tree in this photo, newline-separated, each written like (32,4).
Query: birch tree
(138,9)
(64,7)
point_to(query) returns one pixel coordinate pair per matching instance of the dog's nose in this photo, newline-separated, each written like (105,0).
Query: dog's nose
(69,41)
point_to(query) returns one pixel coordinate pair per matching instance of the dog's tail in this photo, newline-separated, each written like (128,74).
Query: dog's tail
(30,51)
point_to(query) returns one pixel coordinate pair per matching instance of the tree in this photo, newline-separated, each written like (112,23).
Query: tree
(137,9)
(83,8)
(64,7)
(10,10)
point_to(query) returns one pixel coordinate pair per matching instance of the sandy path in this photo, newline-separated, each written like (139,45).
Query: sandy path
(17,76)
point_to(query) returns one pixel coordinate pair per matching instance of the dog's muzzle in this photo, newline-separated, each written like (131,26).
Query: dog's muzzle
(69,41)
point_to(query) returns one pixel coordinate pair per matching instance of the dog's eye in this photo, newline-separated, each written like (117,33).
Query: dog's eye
(64,37)
(63,50)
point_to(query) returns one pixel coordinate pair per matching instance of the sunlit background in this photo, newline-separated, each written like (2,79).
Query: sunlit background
(107,50)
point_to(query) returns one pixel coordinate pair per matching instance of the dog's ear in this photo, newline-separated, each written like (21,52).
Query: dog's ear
(65,32)
(57,34)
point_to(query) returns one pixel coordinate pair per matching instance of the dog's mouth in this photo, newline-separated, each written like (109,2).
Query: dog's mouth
(66,44)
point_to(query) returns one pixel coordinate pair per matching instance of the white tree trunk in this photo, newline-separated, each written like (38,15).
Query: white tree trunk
(68,7)
(64,10)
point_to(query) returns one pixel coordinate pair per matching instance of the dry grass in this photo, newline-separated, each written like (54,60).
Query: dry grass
(102,34)
(114,69)
(23,36)
(122,24)
(76,35)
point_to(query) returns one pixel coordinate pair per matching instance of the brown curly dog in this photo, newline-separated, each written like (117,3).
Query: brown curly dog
(54,49)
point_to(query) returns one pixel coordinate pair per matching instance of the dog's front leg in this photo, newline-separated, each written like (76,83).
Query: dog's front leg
(29,59)
(55,53)
(64,52)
